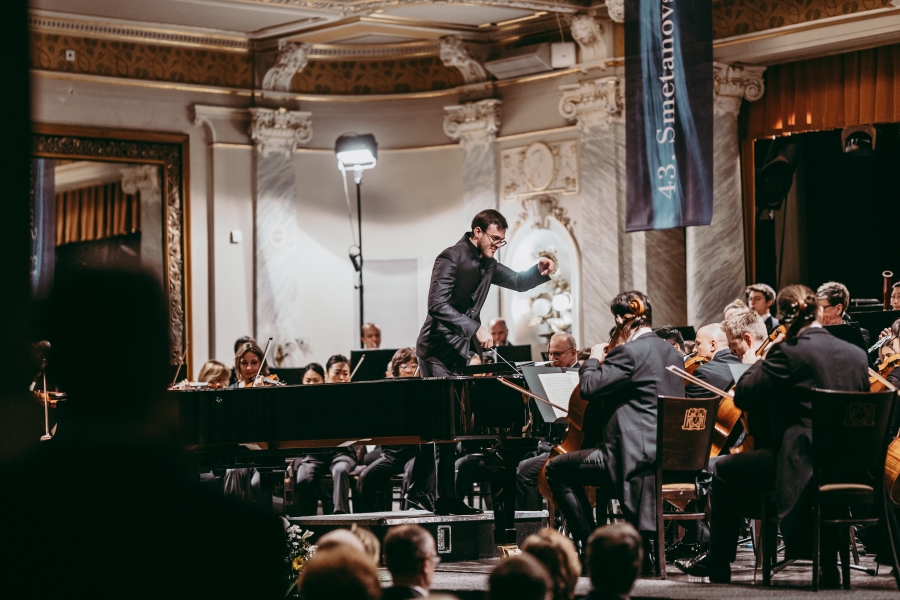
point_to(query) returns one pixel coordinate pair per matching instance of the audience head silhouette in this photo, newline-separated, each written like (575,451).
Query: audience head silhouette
(410,555)
(109,330)
(557,553)
(522,577)
(343,572)
(615,555)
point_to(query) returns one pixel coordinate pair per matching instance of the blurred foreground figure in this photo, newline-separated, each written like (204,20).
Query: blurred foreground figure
(105,509)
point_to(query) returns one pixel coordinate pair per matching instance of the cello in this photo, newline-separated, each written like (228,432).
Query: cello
(578,434)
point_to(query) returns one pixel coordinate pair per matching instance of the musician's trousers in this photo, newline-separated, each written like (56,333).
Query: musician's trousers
(424,467)
(376,475)
(527,495)
(567,475)
(307,472)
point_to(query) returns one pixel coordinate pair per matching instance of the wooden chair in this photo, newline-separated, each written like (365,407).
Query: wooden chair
(850,439)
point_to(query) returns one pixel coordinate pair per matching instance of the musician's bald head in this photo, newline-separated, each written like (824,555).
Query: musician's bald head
(499,331)
(711,339)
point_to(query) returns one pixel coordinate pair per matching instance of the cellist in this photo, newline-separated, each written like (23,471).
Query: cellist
(625,382)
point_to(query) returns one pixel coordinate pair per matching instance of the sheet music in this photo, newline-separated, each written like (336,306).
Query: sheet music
(559,387)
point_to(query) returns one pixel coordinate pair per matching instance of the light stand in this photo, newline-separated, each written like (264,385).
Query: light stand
(357,153)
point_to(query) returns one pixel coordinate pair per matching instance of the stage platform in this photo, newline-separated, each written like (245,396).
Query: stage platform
(468,580)
(459,538)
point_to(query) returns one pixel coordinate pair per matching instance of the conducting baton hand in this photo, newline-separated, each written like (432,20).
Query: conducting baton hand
(545,266)
(484,338)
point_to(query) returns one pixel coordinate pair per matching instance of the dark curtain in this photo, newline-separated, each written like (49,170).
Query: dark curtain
(96,213)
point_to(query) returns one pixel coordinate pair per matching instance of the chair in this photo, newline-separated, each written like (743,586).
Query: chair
(683,439)
(850,439)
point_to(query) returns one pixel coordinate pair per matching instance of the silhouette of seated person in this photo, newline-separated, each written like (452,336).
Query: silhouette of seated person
(109,496)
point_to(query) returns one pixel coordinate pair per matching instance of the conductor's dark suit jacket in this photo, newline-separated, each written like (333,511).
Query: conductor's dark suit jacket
(716,373)
(460,282)
(627,385)
(814,359)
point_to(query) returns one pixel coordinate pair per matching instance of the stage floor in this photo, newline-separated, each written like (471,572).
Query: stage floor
(469,579)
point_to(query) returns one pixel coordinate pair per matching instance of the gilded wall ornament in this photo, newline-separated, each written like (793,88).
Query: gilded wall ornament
(595,103)
(474,123)
(291,60)
(279,130)
(454,54)
(540,168)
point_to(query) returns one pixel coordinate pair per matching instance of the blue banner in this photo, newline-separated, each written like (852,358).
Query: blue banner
(669,113)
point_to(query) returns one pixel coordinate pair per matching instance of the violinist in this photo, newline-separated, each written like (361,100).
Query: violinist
(810,357)
(712,343)
(313,374)
(626,383)
(308,470)
(214,373)
(745,331)
(247,361)
(760,298)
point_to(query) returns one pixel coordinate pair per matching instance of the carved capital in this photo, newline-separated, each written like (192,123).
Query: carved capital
(454,54)
(734,83)
(143,179)
(291,60)
(595,103)
(616,10)
(589,33)
(474,123)
(279,130)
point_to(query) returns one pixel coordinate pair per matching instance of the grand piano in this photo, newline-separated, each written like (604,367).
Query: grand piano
(261,426)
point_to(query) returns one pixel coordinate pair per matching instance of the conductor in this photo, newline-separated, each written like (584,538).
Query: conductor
(460,282)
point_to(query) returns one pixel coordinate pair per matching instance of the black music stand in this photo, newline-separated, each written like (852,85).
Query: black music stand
(375,365)
(687,332)
(514,354)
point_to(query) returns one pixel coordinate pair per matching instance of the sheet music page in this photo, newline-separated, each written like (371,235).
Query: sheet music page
(559,387)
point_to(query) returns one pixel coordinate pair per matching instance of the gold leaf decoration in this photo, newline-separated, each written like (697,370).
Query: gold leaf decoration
(738,17)
(362,77)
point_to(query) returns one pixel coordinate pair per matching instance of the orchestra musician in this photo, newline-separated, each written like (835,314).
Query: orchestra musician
(745,331)
(626,383)
(712,343)
(499,332)
(247,361)
(809,357)
(215,373)
(895,296)
(671,335)
(761,297)
(370,335)
(394,459)
(833,300)
(313,374)
(337,369)
(460,282)
(562,351)
(733,307)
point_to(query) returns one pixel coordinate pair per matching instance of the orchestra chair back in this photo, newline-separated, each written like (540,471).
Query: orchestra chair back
(683,438)
(850,440)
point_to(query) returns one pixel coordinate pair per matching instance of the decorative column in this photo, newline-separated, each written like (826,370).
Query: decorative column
(598,108)
(144,181)
(475,125)
(276,134)
(715,254)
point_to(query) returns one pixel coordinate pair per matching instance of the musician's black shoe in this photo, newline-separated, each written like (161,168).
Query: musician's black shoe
(454,506)
(421,500)
(702,566)
(681,550)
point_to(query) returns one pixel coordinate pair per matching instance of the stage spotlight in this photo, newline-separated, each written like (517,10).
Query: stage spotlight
(858,141)
(356,152)
(775,178)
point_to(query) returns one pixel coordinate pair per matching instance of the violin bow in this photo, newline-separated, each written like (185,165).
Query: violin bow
(361,359)
(711,388)
(259,376)
(887,384)
(530,395)
(181,364)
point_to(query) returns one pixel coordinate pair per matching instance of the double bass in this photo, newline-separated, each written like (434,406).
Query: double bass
(579,434)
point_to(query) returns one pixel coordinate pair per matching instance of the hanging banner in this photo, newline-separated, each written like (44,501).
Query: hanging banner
(669,113)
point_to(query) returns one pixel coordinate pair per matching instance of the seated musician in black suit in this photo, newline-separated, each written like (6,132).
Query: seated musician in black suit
(394,459)
(712,343)
(308,469)
(809,357)
(833,299)
(746,332)
(671,335)
(760,298)
(410,556)
(625,384)
(562,351)
(109,495)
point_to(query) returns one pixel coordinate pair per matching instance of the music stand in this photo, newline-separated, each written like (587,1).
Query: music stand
(375,364)
(514,354)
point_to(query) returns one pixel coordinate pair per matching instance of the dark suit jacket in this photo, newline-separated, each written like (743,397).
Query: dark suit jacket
(715,373)
(771,323)
(626,386)
(460,282)
(399,592)
(815,358)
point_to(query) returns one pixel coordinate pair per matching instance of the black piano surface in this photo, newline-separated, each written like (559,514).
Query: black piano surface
(392,411)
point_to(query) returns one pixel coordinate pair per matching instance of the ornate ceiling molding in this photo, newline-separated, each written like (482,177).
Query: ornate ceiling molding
(734,83)
(279,130)
(291,60)
(595,103)
(352,7)
(454,54)
(474,123)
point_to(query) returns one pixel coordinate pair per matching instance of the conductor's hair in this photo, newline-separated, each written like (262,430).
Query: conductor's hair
(836,293)
(489,217)
(621,306)
(797,305)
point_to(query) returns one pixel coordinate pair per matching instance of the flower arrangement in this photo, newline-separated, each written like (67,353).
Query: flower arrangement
(298,551)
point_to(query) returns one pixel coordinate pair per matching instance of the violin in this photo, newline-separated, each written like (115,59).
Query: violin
(268,380)
(578,434)
(691,364)
(885,368)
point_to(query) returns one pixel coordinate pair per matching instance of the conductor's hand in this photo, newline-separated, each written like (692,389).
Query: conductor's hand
(484,338)
(599,352)
(546,266)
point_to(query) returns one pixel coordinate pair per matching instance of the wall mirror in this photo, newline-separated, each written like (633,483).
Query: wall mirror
(111,198)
